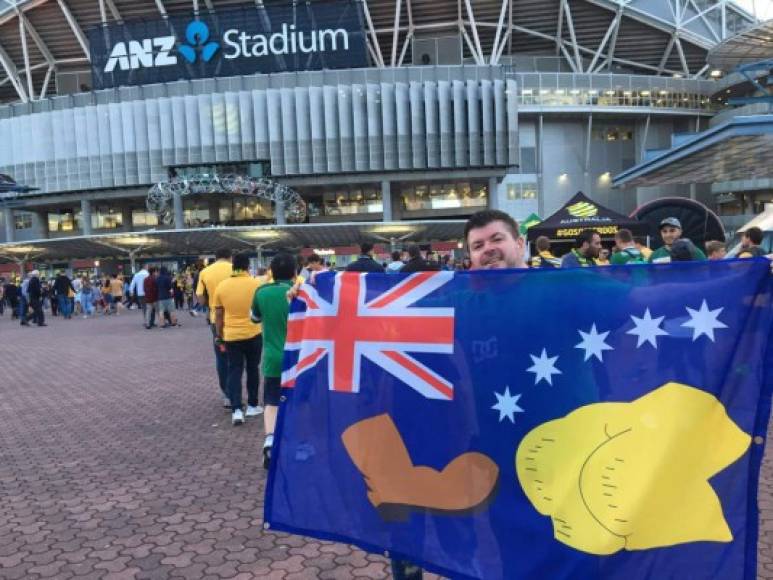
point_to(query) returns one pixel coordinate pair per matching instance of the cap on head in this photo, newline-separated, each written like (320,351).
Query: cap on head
(670,221)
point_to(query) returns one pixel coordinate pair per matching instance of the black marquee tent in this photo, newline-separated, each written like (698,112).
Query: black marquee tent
(581,213)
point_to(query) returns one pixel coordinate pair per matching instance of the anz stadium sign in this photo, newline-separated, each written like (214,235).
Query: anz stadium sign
(234,41)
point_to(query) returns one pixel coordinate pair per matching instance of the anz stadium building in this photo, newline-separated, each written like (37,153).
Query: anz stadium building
(123,122)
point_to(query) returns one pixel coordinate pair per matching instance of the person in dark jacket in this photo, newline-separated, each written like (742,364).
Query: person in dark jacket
(165,299)
(35,292)
(62,288)
(11,294)
(416,263)
(365,263)
(151,297)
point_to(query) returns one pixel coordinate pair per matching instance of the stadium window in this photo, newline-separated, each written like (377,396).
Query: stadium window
(61,221)
(22,221)
(106,219)
(142,218)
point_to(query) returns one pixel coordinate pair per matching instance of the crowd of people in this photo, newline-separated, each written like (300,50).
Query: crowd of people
(247,314)
(29,299)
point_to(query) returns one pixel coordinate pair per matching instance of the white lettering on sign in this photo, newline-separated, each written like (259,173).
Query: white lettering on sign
(289,41)
(147,53)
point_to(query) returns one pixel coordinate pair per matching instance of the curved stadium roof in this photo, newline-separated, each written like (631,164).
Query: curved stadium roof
(40,38)
(752,45)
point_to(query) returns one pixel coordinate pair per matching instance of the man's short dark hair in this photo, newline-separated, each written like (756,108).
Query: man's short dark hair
(283,266)
(395,256)
(164,270)
(484,217)
(241,261)
(542,243)
(366,247)
(414,251)
(754,235)
(624,235)
(314,259)
(152,270)
(583,237)
(223,253)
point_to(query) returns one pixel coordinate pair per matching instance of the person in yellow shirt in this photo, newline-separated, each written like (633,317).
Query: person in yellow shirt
(209,279)
(241,337)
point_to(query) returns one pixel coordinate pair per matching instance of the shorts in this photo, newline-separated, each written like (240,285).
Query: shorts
(166,305)
(272,390)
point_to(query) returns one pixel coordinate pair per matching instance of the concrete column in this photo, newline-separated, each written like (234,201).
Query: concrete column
(41,224)
(10,227)
(179,217)
(86,217)
(214,211)
(279,213)
(386,200)
(493,193)
(126,218)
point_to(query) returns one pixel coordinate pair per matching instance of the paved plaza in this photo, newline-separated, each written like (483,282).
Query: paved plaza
(117,461)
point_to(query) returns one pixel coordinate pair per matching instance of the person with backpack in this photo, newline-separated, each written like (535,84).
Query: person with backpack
(627,252)
(544,258)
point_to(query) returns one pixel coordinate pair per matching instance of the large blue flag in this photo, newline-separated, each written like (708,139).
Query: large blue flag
(589,423)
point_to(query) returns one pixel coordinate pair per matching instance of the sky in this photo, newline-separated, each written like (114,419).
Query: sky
(764,8)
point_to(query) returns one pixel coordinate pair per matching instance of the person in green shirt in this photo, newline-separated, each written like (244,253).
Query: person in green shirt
(670,231)
(271,307)
(627,252)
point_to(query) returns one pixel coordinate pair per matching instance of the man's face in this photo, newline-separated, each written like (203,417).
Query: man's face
(604,254)
(593,249)
(670,234)
(745,242)
(314,266)
(493,246)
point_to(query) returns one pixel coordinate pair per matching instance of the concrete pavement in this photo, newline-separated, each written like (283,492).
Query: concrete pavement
(117,461)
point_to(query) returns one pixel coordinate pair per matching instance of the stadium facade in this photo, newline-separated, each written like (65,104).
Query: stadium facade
(733,154)
(373,111)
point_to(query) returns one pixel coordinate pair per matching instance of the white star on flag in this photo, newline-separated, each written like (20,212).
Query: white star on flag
(647,329)
(593,343)
(544,367)
(704,321)
(506,405)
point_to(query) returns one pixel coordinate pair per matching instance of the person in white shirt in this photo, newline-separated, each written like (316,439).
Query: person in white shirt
(314,265)
(138,287)
(396,264)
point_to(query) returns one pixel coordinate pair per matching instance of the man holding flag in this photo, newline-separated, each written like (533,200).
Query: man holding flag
(614,431)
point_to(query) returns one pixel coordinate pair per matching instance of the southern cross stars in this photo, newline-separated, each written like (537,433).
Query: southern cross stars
(544,368)
(704,321)
(593,343)
(507,405)
(647,329)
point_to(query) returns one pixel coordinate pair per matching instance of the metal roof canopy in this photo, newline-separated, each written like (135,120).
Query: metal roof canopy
(749,46)
(41,38)
(200,241)
(737,150)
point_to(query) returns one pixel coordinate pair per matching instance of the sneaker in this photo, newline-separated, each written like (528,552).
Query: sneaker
(268,445)
(237,418)
(253,411)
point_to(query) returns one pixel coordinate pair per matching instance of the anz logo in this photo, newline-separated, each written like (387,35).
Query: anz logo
(156,52)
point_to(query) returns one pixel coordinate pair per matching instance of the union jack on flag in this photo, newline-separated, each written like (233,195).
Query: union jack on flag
(383,328)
